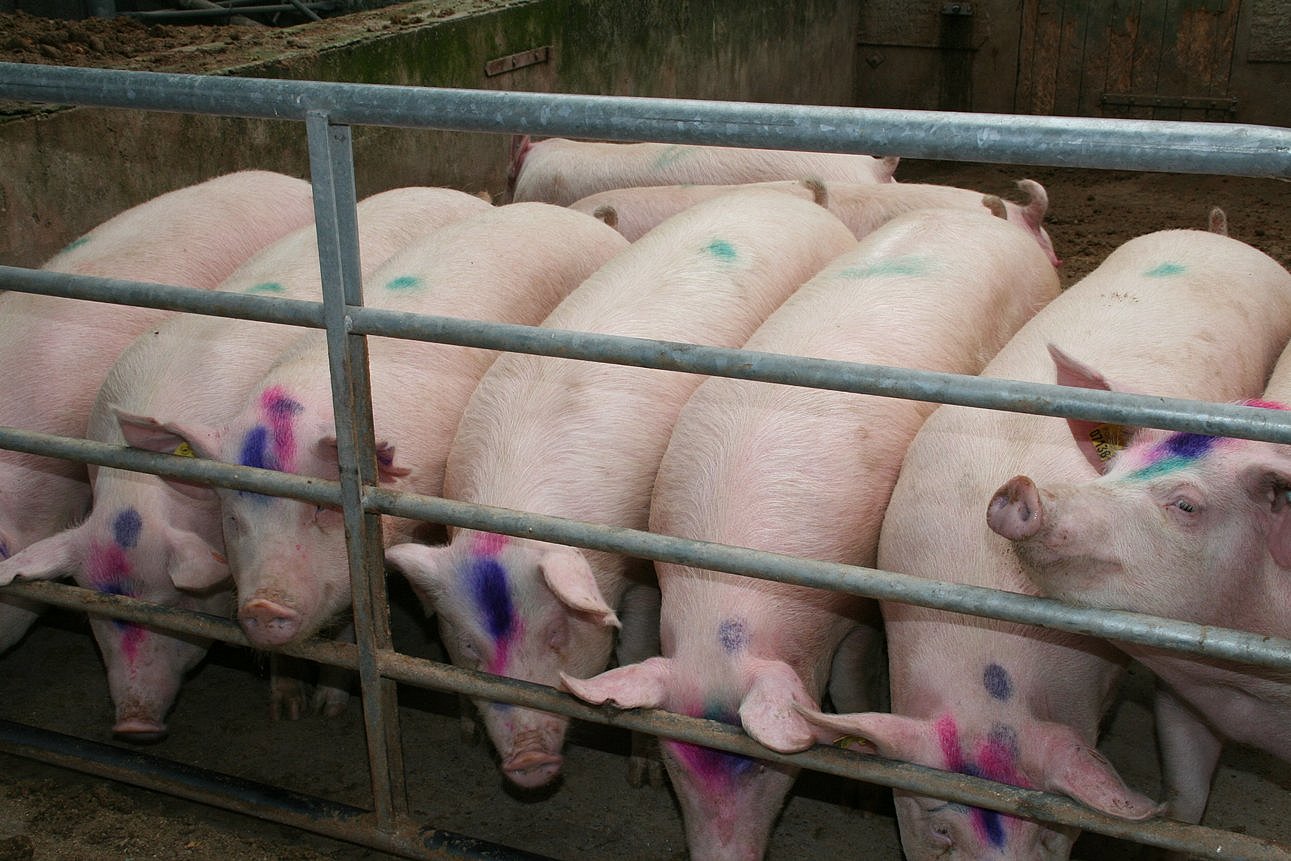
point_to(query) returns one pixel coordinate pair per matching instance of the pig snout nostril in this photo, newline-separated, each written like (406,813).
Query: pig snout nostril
(267,623)
(1015,511)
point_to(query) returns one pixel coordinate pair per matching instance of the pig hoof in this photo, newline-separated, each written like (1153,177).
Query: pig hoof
(643,771)
(286,699)
(532,769)
(138,731)
(268,624)
(330,702)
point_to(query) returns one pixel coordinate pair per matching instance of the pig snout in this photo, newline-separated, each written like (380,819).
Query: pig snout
(268,623)
(140,731)
(530,764)
(1015,511)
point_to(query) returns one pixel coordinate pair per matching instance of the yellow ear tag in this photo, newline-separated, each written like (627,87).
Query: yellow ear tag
(1108,440)
(845,741)
(184,450)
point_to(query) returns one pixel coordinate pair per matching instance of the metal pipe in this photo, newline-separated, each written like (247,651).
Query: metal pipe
(1016,396)
(306,812)
(1184,147)
(179,15)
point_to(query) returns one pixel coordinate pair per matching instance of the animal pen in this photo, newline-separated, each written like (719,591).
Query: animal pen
(328,111)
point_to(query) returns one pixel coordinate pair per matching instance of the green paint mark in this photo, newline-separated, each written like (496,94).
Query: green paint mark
(403,282)
(893,266)
(266,287)
(721,249)
(1161,467)
(76,243)
(670,156)
(1165,269)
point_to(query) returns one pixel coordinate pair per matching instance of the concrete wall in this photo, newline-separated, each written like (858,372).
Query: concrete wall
(64,170)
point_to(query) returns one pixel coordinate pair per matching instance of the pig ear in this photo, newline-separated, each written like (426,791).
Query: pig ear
(325,449)
(770,712)
(995,205)
(193,564)
(1269,485)
(1099,442)
(889,735)
(570,578)
(890,165)
(1065,764)
(429,570)
(643,685)
(59,555)
(179,438)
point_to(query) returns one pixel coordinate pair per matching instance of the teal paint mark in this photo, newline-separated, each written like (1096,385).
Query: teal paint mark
(76,243)
(721,249)
(670,156)
(403,282)
(1161,467)
(1165,269)
(892,266)
(266,287)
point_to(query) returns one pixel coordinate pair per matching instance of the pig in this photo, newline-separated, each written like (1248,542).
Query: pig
(863,207)
(1181,313)
(511,264)
(583,440)
(192,237)
(805,472)
(1186,526)
(144,539)
(563,171)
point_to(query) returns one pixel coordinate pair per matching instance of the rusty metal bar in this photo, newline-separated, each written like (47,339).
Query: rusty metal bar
(332,172)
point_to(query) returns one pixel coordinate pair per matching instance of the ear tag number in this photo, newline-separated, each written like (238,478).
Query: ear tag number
(1108,440)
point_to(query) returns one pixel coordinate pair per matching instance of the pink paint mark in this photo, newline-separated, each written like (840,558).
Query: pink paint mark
(996,759)
(280,411)
(108,571)
(497,664)
(1265,405)
(948,737)
(488,544)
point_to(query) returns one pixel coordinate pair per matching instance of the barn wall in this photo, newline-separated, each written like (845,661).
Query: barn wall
(67,170)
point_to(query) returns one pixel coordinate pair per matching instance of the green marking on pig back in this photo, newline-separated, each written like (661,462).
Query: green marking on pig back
(75,243)
(403,282)
(909,265)
(1163,270)
(722,250)
(266,287)
(670,156)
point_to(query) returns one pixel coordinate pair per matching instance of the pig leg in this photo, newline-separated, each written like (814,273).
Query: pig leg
(287,689)
(17,615)
(638,640)
(858,675)
(1189,753)
(332,693)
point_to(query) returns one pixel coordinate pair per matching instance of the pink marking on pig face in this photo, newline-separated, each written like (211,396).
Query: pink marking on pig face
(489,586)
(996,759)
(272,443)
(108,570)
(715,772)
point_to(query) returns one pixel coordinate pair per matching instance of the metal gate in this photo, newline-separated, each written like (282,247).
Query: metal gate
(328,111)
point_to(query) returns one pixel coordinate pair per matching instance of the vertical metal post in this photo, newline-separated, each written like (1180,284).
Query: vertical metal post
(332,173)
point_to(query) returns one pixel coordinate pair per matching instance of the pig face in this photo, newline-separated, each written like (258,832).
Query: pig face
(521,609)
(1179,525)
(129,550)
(287,558)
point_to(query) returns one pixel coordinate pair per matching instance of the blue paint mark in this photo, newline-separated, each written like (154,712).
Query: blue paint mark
(266,287)
(733,635)
(721,249)
(76,243)
(4,550)
(126,527)
(997,682)
(255,449)
(993,824)
(403,282)
(1190,445)
(1176,451)
(1164,269)
(492,596)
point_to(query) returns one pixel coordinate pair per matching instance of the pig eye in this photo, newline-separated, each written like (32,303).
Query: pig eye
(1185,506)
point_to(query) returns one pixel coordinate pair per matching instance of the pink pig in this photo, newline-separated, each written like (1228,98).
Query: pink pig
(562,171)
(1180,313)
(55,352)
(583,440)
(805,472)
(863,207)
(510,264)
(144,539)
(1189,527)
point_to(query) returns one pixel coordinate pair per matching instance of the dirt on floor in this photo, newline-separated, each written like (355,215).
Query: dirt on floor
(54,680)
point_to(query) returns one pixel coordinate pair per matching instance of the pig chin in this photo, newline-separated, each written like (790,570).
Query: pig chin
(1062,575)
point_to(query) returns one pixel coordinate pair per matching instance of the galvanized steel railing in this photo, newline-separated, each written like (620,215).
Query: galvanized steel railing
(328,110)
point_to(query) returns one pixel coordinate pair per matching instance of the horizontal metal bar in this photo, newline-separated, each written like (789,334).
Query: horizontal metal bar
(1037,398)
(960,788)
(1229,148)
(306,812)
(202,14)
